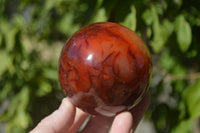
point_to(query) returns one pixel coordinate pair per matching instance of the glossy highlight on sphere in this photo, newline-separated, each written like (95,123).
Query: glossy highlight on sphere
(105,68)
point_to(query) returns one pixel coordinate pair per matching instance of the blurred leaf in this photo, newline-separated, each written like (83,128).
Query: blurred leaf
(10,38)
(20,120)
(167,61)
(5,91)
(17,113)
(178,2)
(9,34)
(4,61)
(23,98)
(192,98)
(1,39)
(183,127)
(51,74)
(131,20)
(179,71)
(149,32)
(100,16)
(161,31)
(2,7)
(148,16)
(44,88)
(193,53)
(166,29)
(19,21)
(183,32)
(49,4)
(66,24)
(161,34)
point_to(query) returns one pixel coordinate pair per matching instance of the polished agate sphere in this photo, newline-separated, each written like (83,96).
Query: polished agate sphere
(105,68)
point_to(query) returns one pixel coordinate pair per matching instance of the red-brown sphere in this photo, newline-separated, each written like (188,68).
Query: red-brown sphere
(105,68)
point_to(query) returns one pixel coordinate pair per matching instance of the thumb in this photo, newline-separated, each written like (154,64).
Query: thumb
(59,121)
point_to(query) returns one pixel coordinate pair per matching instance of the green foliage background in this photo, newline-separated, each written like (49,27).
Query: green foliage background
(32,33)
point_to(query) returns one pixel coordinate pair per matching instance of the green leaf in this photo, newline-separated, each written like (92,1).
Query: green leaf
(66,24)
(183,127)
(100,16)
(23,98)
(148,16)
(5,91)
(9,33)
(161,34)
(178,2)
(49,4)
(167,61)
(192,98)
(131,20)
(17,114)
(4,61)
(51,74)
(10,38)
(183,32)
(44,88)
(161,31)
(1,39)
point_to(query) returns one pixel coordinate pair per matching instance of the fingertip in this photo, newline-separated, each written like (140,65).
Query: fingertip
(122,123)
(124,116)
(66,104)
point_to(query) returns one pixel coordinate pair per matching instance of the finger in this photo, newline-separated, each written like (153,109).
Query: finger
(79,120)
(139,110)
(122,123)
(59,121)
(98,124)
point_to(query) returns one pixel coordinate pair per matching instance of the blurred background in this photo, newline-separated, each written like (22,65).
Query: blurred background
(33,32)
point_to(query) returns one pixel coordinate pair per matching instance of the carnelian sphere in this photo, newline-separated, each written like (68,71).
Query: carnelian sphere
(105,68)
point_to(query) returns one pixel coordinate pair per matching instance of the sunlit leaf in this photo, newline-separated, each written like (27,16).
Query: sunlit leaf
(1,39)
(9,34)
(44,88)
(49,4)
(66,24)
(19,20)
(100,16)
(183,127)
(178,2)
(192,98)
(18,123)
(51,74)
(149,32)
(131,20)
(148,16)
(5,91)
(161,31)
(183,32)
(17,113)
(4,61)
(167,61)
(10,38)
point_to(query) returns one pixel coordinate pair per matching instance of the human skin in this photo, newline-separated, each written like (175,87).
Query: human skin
(68,119)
